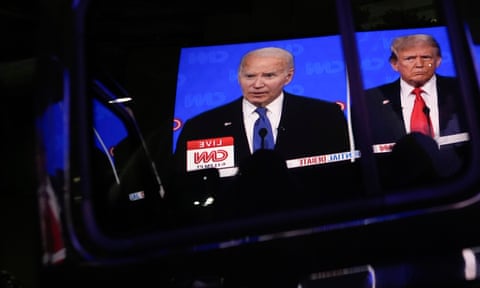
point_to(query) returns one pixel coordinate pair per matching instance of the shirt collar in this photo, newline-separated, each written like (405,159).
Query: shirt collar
(274,107)
(427,87)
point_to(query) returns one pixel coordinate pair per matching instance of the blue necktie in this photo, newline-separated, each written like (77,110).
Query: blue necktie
(262,131)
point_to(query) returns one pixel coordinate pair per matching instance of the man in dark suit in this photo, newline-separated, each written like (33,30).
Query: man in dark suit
(416,58)
(306,127)
(300,126)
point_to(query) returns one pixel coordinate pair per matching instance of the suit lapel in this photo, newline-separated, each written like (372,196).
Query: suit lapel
(392,93)
(446,104)
(234,126)
(285,119)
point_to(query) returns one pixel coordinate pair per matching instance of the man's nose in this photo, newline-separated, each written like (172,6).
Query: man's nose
(258,82)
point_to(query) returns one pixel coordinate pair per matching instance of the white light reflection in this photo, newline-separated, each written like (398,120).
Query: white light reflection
(470,264)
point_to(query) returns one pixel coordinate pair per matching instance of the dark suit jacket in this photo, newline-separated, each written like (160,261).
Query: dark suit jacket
(307,127)
(385,111)
(411,159)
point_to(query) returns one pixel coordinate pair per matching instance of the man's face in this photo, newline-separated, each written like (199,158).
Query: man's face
(262,79)
(417,64)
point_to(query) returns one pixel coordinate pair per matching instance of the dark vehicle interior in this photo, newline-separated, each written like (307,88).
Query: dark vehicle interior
(100,91)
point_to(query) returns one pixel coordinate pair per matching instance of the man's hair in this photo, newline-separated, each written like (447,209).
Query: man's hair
(270,51)
(404,42)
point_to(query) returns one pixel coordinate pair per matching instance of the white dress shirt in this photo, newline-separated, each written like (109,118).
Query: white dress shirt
(274,112)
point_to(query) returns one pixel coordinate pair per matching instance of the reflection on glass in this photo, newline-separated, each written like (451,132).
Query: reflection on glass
(414,58)
(180,79)
(128,189)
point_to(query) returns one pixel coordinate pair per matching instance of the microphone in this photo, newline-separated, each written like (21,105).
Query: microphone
(263,132)
(426,110)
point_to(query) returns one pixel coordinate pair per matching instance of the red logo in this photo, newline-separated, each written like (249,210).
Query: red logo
(177,124)
(211,156)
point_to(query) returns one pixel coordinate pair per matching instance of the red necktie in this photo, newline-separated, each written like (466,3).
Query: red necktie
(54,249)
(420,119)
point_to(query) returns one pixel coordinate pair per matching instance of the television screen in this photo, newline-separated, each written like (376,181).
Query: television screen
(207,78)
(207,75)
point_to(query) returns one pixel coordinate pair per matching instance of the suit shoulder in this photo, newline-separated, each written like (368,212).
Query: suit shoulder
(217,112)
(447,80)
(309,101)
(384,87)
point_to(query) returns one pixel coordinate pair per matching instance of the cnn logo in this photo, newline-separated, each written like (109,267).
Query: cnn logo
(210,156)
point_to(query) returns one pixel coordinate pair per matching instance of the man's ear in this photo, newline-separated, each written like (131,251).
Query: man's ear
(394,65)
(289,76)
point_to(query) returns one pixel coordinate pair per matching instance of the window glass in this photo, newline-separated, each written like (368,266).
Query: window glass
(176,63)
(398,55)
(173,139)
